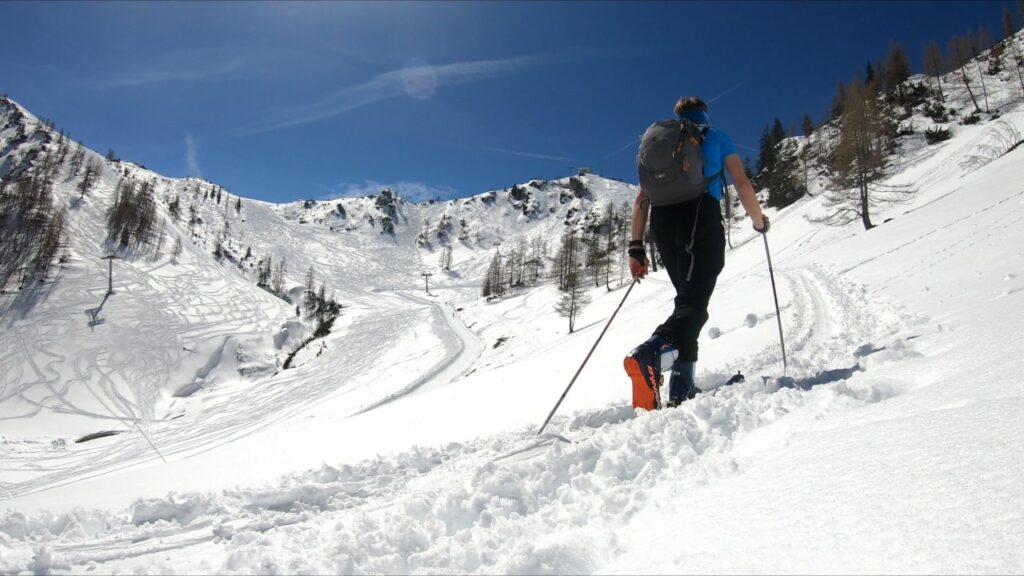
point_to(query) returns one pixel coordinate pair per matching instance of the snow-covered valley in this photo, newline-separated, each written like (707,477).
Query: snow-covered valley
(405,440)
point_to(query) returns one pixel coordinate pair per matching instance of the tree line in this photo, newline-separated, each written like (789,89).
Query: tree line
(32,223)
(592,253)
(852,146)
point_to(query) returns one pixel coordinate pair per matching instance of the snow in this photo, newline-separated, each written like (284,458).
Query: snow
(405,441)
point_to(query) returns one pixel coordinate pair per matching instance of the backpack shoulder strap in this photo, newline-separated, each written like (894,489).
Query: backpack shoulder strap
(721,169)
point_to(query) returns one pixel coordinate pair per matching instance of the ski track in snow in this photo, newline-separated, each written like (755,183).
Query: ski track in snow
(462,349)
(825,321)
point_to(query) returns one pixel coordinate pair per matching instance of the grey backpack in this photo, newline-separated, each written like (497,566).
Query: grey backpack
(670,163)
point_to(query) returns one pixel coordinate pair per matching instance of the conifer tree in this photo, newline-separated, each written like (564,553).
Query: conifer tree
(517,264)
(93,169)
(218,249)
(50,243)
(174,208)
(535,261)
(494,279)
(321,302)
(778,131)
(277,280)
(1018,60)
(776,167)
(837,101)
(784,187)
(263,272)
(445,261)
(933,65)
(766,155)
(897,71)
(75,164)
(594,260)
(566,258)
(131,221)
(880,77)
(31,230)
(996,54)
(624,220)
(977,45)
(309,294)
(573,298)
(959,56)
(807,126)
(860,161)
(176,250)
(1009,32)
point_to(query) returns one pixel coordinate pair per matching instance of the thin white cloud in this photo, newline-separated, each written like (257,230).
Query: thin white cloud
(192,157)
(410,191)
(418,81)
(182,66)
(156,76)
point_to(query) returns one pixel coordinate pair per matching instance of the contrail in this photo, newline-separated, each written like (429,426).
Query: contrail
(528,154)
(727,91)
(393,84)
(624,147)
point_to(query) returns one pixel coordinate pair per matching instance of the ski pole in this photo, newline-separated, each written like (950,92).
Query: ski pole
(585,360)
(775,295)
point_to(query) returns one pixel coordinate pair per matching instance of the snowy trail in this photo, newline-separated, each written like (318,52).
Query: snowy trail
(462,349)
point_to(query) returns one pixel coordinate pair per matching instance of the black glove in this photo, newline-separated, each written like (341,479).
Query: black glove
(767,225)
(637,252)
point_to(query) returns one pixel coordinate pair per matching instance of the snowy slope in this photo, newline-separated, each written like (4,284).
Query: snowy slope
(190,352)
(892,444)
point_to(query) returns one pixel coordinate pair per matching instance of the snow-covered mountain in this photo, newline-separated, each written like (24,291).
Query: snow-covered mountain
(184,336)
(404,441)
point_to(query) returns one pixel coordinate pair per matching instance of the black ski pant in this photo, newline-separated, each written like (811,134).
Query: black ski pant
(691,240)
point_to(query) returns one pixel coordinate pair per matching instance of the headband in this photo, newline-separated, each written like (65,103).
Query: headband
(698,116)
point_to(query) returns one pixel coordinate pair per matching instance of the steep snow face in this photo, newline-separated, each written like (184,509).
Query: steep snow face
(22,137)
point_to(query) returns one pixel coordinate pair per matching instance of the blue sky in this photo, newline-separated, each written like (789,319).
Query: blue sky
(282,101)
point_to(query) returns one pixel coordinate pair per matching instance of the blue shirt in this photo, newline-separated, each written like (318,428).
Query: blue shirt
(717,145)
